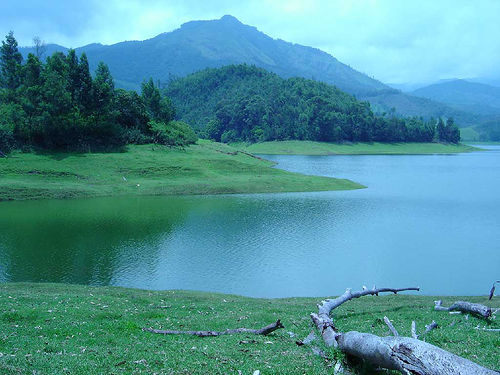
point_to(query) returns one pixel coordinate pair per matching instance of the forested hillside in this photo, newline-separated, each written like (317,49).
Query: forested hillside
(197,45)
(246,103)
(59,105)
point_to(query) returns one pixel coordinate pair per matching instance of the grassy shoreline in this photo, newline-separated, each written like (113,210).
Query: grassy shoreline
(324,148)
(204,168)
(93,330)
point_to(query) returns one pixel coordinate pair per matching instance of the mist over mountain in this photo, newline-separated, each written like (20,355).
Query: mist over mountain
(197,45)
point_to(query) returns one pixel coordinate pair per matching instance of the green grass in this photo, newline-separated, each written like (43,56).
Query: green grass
(204,168)
(324,148)
(67,329)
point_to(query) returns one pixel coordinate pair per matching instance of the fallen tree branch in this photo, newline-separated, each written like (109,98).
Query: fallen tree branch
(391,327)
(488,329)
(428,328)
(407,355)
(465,307)
(263,331)
(325,324)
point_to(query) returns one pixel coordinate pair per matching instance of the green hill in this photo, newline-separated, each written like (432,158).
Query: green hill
(245,103)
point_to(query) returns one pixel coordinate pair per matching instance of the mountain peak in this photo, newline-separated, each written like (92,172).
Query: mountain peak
(229,19)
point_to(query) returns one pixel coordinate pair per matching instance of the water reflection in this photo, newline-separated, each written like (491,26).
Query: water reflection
(424,220)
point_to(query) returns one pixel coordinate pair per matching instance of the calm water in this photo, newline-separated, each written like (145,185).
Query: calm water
(431,221)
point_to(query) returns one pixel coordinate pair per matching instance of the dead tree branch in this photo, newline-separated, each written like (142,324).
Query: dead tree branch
(465,307)
(428,328)
(407,355)
(263,331)
(391,327)
(325,324)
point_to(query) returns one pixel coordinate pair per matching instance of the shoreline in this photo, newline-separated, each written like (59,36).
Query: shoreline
(324,148)
(206,168)
(96,330)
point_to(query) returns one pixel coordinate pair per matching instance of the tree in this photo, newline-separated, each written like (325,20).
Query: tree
(452,133)
(85,89)
(74,77)
(103,89)
(159,108)
(39,46)
(10,63)
(440,131)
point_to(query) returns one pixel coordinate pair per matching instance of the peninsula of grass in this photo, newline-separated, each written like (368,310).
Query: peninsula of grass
(68,329)
(325,148)
(204,168)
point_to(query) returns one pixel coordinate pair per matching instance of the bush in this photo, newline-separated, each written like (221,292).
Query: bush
(175,133)
(7,142)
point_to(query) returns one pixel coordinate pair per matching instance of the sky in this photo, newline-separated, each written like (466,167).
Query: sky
(395,41)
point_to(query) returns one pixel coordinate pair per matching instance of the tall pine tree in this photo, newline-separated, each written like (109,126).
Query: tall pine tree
(10,63)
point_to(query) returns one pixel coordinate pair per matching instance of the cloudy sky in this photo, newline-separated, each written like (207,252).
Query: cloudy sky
(395,41)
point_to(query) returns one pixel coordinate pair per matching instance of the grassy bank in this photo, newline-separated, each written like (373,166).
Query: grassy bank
(323,148)
(205,168)
(63,329)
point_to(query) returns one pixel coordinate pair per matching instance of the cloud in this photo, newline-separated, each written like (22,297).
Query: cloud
(392,40)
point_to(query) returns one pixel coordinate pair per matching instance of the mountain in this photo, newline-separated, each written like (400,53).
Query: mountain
(461,94)
(197,45)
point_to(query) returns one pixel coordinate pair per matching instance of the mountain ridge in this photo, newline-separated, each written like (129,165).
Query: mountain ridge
(201,44)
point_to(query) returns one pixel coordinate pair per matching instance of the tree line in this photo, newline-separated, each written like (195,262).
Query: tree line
(57,104)
(246,103)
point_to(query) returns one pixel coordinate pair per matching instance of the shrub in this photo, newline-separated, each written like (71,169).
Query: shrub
(175,133)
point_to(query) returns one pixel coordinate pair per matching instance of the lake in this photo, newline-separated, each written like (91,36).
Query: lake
(425,220)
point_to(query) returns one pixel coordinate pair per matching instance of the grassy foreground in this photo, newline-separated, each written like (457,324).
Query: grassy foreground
(65,329)
(324,148)
(204,168)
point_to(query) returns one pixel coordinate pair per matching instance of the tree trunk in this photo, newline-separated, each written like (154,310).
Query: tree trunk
(408,355)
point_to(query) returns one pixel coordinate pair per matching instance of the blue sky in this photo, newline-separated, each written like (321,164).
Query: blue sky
(396,41)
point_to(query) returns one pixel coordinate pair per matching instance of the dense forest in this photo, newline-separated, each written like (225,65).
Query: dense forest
(58,105)
(246,103)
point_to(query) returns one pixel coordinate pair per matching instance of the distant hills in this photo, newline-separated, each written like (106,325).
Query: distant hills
(480,99)
(465,95)
(197,45)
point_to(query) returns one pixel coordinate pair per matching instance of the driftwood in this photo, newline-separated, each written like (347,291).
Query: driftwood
(465,307)
(407,355)
(263,331)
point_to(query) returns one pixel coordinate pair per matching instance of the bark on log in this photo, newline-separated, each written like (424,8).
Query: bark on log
(263,331)
(408,355)
(465,307)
